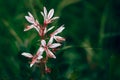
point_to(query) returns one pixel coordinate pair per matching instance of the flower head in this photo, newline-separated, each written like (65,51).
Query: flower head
(36,58)
(31,19)
(59,30)
(49,45)
(34,23)
(48,16)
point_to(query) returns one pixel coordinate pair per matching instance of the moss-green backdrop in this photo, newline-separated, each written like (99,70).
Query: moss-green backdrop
(91,50)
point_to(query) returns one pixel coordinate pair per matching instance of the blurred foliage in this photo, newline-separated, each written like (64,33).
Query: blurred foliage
(91,50)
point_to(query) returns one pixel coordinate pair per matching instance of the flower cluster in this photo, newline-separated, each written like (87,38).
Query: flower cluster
(48,42)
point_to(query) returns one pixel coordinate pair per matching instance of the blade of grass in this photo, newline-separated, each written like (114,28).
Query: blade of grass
(103,23)
(12,31)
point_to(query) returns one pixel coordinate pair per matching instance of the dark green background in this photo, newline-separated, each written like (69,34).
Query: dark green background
(91,50)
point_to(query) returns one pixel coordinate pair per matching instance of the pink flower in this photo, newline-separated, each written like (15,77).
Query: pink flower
(34,23)
(36,58)
(49,45)
(58,38)
(48,16)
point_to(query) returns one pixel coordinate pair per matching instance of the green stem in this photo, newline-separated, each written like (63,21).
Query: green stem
(102,25)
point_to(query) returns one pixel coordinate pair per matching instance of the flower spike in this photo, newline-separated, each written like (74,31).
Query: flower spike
(47,44)
(48,16)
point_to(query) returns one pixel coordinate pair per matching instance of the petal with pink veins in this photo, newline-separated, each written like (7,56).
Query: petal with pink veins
(43,42)
(50,14)
(45,30)
(29,27)
(54,45)
(50,28)
(27,55)
(54,18)
(59,30)
(40,51)
(34,59)
(36,23)
(30,15)
(45,13)
(32,63)
(59,38)
(50,41)
(29,19)
(50,54)
(42,14)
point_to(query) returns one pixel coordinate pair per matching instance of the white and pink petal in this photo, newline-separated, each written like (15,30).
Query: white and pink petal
(54,45)
(50,41)
(50,54)
(28,27)
(59,30)
(30,15)
(43,42)
(59,38)
(42,14)
(33,62)
(54,18)
(40,51)
(45,13)
(29,19)
(27,55)
(50,28)
(35,59)
(45,30)
(50,14)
